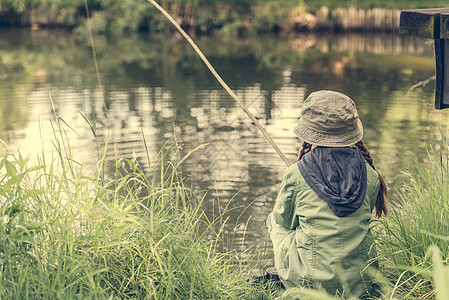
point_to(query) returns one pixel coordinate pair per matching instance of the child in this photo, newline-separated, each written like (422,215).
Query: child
(321,218)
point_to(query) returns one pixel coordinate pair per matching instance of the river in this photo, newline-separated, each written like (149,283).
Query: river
(156,85)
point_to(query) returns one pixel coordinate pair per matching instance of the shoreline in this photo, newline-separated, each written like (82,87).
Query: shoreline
(204,19)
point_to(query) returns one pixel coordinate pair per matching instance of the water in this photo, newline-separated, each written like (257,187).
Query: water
(157,86)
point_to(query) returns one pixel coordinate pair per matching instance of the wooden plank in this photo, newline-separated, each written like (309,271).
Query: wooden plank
(442,73)
(439,84)
(432,23)
(423,22)
(444,26)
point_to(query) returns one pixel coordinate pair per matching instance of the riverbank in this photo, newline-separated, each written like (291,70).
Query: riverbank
(68,232)
(241,19)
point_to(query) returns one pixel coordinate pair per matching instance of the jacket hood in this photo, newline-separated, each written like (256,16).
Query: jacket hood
(337,175)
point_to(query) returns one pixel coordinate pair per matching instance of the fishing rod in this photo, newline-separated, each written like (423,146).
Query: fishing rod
(220,80)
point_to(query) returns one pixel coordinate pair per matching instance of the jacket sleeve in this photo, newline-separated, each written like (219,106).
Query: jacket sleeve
(284,209)
(284,223)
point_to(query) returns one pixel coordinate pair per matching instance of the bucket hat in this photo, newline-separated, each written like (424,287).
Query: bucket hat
(329,119)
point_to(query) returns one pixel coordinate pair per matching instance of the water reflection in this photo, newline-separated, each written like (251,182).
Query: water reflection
(157,86)
(372,43)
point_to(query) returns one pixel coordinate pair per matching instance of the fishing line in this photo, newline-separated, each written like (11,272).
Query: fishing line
(220,80)
(105,108)
(97,70)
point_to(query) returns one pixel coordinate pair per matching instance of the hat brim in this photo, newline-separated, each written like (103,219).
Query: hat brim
(329,140)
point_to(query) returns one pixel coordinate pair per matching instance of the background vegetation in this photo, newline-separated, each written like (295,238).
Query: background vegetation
(200,16)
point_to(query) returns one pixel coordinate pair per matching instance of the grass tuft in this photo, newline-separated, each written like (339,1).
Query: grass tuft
(67,232)
(417,223)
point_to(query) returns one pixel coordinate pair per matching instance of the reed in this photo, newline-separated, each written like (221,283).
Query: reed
(68,232)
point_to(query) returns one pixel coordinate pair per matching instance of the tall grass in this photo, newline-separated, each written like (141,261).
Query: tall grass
(67,232)
(417,223)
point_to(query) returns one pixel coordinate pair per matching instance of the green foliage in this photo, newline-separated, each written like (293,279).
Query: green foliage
(66,235)
(417,223)
(238,17)
(22,5)
(118,17)
(271,16)
(200,15)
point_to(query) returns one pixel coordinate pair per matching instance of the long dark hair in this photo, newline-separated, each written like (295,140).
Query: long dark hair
(381,202)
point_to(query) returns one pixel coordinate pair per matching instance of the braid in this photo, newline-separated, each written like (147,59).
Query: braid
(306,147)
(381,202)
(365,153)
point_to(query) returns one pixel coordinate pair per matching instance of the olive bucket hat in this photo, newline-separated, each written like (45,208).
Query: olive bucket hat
(329,119)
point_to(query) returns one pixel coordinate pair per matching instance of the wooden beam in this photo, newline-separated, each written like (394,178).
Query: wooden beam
(444,26)
(427,23)
(442,71)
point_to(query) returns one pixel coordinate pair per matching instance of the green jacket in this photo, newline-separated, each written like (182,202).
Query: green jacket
(314,247)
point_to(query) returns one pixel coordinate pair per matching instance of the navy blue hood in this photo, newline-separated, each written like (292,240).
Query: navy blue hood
(337,175)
